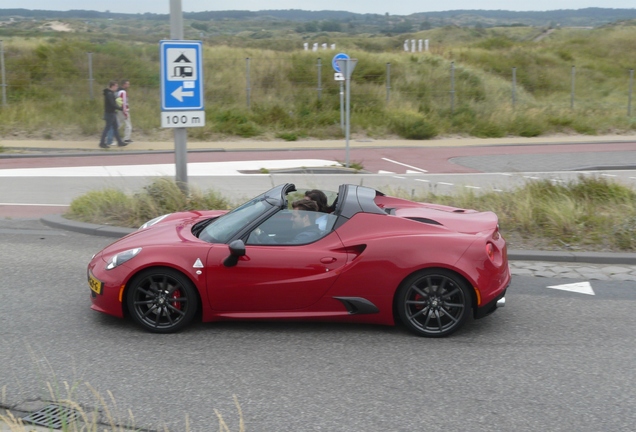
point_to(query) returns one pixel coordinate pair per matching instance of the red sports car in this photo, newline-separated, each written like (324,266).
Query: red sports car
(372,259)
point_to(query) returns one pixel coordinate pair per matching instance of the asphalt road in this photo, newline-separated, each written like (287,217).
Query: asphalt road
(550,360)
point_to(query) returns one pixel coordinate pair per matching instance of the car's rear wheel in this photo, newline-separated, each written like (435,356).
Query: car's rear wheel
(434,303)
(162,300)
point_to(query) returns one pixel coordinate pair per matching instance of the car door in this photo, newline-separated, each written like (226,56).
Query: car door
(274,277)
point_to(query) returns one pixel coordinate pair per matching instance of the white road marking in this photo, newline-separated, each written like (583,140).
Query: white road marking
(385,172)
(403,164)
(423,180)
(609,175)
(34,205)
(199,169)
(473,187)
(578,287)
(446,184)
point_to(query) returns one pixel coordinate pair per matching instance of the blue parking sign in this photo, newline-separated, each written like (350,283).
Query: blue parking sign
(181,75)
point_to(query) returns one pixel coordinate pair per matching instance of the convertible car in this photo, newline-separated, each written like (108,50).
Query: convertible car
(372,259)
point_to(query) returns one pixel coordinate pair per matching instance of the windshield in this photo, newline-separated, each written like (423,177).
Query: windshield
(222,229)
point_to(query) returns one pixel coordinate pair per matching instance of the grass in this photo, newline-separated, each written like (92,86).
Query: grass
(48,90)
(591,213)
(115,207)
(101,417)
(101,414)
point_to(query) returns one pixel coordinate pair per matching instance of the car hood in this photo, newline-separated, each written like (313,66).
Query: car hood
(176,228)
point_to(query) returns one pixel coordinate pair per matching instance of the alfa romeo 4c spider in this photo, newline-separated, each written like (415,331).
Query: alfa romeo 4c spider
(370,258)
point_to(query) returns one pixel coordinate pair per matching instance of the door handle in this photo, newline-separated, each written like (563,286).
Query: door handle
(328,260)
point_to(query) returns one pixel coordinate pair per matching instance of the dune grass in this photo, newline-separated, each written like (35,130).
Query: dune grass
(101,417)
(115,207)
(463,85)
(592,213)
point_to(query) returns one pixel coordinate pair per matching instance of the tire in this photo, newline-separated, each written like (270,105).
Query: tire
(434,303)
(162,300)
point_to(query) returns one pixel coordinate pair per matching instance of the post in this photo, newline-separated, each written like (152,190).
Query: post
(248,89)
(514,87)
(342,122)
(319,78)
(452,91)
(180,134)
(629,97)
(572,91)
(388,82)
(4,84)
(348,113)
(90,76)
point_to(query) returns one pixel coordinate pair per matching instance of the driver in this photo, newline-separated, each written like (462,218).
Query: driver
(303,219)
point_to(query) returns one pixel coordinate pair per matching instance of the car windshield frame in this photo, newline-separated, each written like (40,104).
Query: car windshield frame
(225,228)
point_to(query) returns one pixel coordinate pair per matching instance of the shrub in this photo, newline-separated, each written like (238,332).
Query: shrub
(412,126)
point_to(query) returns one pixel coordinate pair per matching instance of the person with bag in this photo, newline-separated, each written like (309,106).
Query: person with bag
(123,116)
(110,108)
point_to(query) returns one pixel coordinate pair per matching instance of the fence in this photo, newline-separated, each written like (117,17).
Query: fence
(289,78)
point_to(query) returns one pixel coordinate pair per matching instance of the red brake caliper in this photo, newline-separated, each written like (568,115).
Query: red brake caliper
(175,295)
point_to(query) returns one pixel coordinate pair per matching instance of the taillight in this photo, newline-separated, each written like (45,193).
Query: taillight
(496,235)
(490,251)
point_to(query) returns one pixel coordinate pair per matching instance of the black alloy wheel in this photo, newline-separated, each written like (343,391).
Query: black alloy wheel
(162,300)
(434,303)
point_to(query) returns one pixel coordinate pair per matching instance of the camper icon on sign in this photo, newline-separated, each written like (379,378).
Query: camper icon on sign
(183,71)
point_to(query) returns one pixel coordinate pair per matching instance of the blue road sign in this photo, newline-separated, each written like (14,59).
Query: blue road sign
(334,62)
(181,75)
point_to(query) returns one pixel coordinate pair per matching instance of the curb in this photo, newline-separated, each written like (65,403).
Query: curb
(59,222)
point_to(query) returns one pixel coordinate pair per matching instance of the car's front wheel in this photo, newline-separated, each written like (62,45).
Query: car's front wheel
(434,303)
(162,300)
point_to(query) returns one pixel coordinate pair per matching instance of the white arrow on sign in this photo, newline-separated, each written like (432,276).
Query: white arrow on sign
(179,94)
(579,287)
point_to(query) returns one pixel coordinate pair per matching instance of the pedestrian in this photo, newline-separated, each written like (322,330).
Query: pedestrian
(110,108)
(123,116)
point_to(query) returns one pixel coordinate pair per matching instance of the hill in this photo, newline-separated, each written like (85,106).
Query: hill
(357,23)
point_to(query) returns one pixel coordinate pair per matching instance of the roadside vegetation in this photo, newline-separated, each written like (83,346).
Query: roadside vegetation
(462,86)
(591,214)
(103,416)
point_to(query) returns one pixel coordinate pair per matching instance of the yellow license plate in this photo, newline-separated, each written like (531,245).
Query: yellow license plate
(95,284)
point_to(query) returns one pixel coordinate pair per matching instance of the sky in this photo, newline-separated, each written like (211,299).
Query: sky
(400,7)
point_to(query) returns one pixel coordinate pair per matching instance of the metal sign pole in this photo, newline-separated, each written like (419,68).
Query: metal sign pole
(4,84)
(180,134)
(90,75)
(348,121)
(342,122)
(347,65)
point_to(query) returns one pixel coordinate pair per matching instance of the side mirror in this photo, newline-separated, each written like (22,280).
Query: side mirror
(237,249)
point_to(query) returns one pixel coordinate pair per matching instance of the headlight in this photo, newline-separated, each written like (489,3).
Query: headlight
(122,257)
(151,222)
